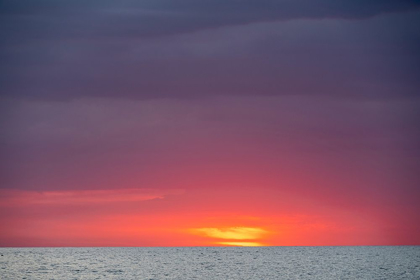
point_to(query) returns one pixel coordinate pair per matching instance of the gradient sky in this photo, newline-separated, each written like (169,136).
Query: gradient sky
(209,122)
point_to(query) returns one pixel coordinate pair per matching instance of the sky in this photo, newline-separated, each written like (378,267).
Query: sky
(209,123)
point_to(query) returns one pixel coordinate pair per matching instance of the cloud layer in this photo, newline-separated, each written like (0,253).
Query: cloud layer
(270,109)
(63,50)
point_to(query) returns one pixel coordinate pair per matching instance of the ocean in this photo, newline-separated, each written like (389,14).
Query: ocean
(370,262)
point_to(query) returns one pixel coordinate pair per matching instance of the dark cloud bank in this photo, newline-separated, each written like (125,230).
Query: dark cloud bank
(66,49)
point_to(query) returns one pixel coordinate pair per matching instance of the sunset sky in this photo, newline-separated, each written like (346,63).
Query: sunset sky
(209,122)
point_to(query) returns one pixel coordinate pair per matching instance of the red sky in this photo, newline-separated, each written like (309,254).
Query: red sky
(210,124)
(200,217)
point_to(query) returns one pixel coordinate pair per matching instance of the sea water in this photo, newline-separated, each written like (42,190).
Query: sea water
(390,262)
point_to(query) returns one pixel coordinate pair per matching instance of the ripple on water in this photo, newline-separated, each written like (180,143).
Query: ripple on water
(211,263)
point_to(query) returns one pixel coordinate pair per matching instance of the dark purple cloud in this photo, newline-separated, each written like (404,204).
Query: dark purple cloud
(184,15)
(317,99)
(333,57)
(61,58)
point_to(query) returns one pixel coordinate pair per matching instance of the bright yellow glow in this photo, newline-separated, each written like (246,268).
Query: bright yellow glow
(236,233)
(243,244)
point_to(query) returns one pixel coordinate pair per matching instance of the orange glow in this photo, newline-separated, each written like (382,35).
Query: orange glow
(247,236)
(162,217)
(241,244)
(237,233)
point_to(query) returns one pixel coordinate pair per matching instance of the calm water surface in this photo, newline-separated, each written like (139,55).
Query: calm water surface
(211,263)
